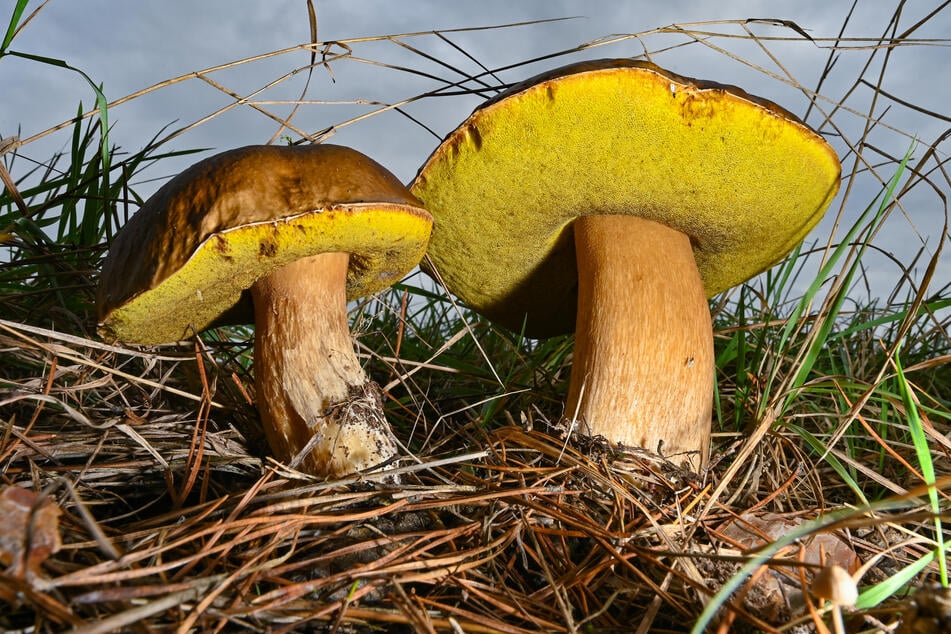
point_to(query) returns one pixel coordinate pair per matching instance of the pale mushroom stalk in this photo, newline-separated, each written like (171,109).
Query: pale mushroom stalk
(643,364)
(319,410)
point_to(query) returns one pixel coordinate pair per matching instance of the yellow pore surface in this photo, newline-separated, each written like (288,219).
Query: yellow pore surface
(743,180)
(385,241)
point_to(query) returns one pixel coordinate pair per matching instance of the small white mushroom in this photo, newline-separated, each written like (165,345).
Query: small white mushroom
(834,584)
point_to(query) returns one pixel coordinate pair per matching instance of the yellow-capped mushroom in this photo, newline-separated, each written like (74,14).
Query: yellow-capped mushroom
(294,232)
(613,198)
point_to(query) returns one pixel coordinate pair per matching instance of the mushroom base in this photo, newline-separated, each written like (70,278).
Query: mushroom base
(643,371)
(320,412)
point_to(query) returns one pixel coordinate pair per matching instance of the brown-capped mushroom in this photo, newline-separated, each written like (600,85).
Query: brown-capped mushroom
(295,232)
(617,196)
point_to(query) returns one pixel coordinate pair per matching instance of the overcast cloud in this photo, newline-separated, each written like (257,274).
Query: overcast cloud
(127,46)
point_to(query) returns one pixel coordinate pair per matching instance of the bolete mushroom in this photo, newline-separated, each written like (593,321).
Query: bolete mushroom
(295,232)
(613,197)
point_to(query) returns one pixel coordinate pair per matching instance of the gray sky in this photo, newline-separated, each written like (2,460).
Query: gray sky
(128,46)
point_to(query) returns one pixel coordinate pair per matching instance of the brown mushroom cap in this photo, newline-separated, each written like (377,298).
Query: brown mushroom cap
(743,178)
(195,247)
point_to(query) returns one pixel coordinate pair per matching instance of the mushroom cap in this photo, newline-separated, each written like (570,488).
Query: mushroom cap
(185,260)
(745,179)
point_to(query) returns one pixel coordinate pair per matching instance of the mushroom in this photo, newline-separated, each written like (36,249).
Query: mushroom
(618,196)
(280,237)
(834,584)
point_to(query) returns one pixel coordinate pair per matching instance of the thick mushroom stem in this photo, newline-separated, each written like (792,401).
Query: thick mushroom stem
(311,390)
(643,366)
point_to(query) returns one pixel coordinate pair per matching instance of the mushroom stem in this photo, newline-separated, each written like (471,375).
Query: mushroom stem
(643,357)
(312,392)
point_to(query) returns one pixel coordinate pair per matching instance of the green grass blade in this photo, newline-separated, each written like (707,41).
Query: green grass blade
(102,104)
(873,595)
(14,23)
(867,223)
(896,317)
(923,452)
(830,459)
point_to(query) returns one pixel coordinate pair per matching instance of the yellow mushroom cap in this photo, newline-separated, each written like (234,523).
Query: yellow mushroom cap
(743,178)
(189,254)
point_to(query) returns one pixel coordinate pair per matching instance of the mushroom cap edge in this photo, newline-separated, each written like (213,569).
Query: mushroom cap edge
(175,268)
(552,143)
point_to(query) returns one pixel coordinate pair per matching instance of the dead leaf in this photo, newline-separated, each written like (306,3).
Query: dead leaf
(29,531)
(752,532)
(780,590)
